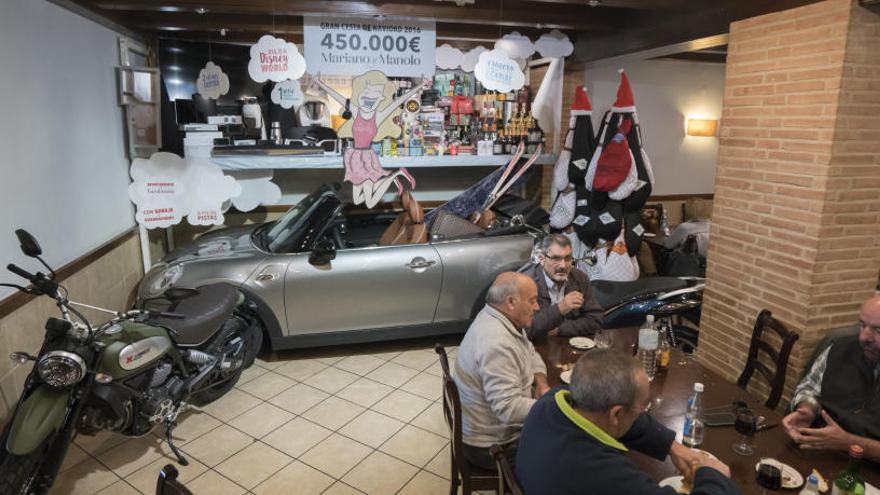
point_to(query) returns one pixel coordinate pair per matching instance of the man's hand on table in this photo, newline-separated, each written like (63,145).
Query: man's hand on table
(541,385)
(829,437)
(801,418)
(687,461)
(571,301)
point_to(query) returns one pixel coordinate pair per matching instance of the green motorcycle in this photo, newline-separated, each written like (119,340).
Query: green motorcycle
(132,373)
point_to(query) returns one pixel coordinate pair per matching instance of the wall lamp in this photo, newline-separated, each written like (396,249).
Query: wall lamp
(702,127)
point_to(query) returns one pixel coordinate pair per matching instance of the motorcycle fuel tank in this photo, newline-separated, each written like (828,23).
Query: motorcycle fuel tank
(132,348)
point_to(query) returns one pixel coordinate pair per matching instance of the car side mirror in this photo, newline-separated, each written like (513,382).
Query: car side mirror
(29,245)
(324,253)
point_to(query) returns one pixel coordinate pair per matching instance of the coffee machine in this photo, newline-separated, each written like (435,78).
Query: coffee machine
(253,117)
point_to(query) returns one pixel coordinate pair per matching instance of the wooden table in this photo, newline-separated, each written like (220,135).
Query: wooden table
(676,385)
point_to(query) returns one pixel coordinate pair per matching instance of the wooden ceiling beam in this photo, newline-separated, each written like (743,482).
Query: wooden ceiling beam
(514,14)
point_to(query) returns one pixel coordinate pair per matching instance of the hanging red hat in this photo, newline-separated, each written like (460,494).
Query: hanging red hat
(625,102)
(581,104)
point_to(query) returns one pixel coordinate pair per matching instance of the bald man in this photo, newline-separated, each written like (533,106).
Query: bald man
(496,367)
(838,403)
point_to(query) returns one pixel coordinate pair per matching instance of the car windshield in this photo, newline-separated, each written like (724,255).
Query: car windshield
(293,231)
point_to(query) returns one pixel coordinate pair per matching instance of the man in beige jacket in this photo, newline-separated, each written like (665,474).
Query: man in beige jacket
(496,367)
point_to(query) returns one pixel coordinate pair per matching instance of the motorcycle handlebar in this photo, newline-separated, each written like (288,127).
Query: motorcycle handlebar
(20,272)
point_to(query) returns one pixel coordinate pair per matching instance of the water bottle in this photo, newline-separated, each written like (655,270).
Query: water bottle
(812,486)
(648,345)
(692,433)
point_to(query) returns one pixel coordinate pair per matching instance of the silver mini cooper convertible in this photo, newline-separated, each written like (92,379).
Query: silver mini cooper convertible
(323,276)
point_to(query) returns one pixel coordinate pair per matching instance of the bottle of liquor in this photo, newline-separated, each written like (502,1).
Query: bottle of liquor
(663,350)
(647,352)
(849,481)
(692,433)
(498,145)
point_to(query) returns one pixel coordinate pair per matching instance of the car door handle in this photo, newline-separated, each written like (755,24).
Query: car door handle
(419,263)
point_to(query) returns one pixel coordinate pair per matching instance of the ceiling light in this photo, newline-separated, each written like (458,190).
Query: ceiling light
(175,82)
(201,11)
(222,31)
(171,28)
(594,3)
(172,67)
(379,17)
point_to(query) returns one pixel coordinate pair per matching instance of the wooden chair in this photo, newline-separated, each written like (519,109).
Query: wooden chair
(780,358)
(464,473)
(508,482)
(167,483)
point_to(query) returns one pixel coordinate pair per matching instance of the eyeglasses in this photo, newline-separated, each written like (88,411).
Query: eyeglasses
(873,328)
(559,259)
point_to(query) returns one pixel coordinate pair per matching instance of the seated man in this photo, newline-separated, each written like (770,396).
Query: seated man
(495,368)
(837,404)
(565,296)
(574,442)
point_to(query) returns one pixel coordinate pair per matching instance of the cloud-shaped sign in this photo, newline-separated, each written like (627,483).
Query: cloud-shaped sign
(275,59)
(166,188)
(212,82)
(554,44)
(470,59)
(447,57)
(497,71)
(287,94)
(515,45)
(257,189)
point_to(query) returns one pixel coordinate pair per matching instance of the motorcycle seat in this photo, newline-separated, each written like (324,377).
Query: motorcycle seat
(204,314)
(610,293)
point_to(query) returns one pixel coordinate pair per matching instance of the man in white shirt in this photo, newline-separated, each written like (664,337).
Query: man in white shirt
(496,367)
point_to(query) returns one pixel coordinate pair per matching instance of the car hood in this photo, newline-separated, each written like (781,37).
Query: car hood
(220,244)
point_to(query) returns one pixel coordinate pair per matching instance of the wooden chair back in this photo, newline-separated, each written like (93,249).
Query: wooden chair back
(508,482)
(776,378)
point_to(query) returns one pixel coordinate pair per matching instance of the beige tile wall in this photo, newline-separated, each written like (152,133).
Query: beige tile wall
(106,282)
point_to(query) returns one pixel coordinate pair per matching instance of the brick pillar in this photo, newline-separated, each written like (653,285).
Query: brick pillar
(796,224)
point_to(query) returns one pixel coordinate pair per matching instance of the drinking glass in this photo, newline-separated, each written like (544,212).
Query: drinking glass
(746,425)
(603,339)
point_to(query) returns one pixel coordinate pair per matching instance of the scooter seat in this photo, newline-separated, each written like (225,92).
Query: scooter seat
(610,293)
(203,314)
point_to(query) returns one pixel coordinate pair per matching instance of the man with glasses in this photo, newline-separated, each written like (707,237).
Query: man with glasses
(567,304)
(837,404)
(575,441)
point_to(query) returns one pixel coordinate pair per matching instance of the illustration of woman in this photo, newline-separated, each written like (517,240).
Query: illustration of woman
(373,110)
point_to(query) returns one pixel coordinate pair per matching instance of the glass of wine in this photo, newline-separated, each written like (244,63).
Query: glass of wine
(603,339)
(745,425)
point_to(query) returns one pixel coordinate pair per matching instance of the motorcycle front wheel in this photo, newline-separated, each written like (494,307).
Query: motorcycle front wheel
(19,474)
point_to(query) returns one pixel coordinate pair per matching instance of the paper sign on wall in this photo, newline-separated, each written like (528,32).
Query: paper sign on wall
(287,94)
(275,59)
(213,82)
(497,71)
(350,46)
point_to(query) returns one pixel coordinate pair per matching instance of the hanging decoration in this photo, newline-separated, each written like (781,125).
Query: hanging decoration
(496,71)
(470,59)
(166,188)
(554,44)
(275,59)
(257,189)
(213,82)
(287,94)
(515,45)
(448,57)
(571,166)
(374,111)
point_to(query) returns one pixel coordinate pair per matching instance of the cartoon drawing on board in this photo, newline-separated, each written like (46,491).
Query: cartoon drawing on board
(373,109)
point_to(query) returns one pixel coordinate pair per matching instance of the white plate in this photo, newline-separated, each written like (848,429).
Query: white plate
(791,478)
(582,343)
(673,482)
(565,376)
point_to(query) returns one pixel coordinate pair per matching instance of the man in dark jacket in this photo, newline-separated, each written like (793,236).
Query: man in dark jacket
(837,404)
(564,293)
(574,442)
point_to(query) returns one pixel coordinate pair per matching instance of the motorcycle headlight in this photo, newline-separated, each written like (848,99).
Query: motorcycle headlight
(61,369)
(164,280)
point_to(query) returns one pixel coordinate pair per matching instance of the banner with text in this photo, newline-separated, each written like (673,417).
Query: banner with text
(344,46)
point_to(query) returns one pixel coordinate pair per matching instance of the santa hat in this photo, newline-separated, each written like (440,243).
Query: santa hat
(625,102)
(581,105)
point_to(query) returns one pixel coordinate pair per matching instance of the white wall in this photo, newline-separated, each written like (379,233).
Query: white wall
(666,93)
(63,168)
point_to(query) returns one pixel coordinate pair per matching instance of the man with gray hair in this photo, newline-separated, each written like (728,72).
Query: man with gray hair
(565,297)
(575,441)
(495,370)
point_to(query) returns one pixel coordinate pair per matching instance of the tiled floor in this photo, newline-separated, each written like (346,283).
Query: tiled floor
(360,420)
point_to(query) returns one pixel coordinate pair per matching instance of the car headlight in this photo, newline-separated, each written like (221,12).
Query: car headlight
(164,280)
(61,369)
